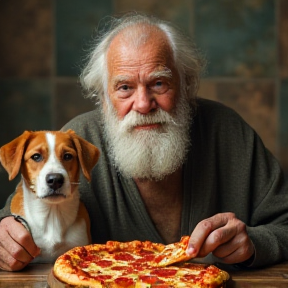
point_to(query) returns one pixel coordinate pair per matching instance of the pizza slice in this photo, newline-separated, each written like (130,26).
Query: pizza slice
(173,253)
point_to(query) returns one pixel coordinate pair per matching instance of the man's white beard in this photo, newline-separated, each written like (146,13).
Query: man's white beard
(148,154)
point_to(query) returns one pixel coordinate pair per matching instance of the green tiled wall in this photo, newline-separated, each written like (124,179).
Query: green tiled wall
(240,40)
(43,44)
(75,23)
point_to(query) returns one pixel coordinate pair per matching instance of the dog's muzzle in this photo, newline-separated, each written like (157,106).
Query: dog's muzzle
(54,181)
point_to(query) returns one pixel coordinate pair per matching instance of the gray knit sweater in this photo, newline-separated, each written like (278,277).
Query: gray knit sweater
(227,169)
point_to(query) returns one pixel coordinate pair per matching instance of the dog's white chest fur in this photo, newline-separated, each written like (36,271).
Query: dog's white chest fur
(55,229)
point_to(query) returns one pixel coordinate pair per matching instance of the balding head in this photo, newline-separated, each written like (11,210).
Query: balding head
(140,34)
(140,37)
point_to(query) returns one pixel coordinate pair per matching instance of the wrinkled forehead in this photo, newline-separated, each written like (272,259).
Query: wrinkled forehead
(136,49)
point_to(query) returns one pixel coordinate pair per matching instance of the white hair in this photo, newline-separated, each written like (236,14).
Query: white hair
(187,58)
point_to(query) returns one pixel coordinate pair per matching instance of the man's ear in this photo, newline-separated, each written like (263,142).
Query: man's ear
(11,154)
(88,154)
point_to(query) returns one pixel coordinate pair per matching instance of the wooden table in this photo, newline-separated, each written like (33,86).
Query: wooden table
(35,276)
(272,277)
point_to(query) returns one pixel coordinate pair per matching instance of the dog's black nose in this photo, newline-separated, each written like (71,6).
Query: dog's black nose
(54,180)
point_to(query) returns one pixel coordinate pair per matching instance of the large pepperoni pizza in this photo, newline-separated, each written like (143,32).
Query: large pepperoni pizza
(134,264)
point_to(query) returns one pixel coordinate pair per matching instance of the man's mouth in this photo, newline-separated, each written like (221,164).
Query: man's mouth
(147,126)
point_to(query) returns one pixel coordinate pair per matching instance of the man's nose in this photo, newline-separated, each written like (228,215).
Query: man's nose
(144,101)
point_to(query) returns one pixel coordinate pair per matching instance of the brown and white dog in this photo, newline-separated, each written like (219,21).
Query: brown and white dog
(47,196)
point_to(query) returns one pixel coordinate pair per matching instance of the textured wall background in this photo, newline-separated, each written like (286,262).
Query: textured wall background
(43,43)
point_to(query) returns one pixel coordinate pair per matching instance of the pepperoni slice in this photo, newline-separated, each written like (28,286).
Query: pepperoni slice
(164,286)
(146,258)
(146,252)
(102,278)
(125,269)
(66,257)
(119,268)
(164,272)
(122,256)
(104,263)
(92,258)
(124,281)
(82,253)
(149,279)
(190,277)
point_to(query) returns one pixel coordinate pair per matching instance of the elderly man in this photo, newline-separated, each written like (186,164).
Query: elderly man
(171,164)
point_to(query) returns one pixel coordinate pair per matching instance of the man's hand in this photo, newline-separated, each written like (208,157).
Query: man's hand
(17,247)
(225,236)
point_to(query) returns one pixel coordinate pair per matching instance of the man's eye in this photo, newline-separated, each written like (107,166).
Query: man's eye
(124,87)
(159,86)
(37,157)
(67,156)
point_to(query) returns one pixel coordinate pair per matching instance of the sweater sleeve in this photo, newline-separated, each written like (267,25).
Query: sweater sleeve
(5,211)
(243,177)
(268,227)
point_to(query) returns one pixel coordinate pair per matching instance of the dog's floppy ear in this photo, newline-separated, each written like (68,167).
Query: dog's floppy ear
(11,154)
(88,154)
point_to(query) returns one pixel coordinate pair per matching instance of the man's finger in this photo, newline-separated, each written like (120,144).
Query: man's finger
(25,240)
(8,263)
(203,229)
(225,249)
(216,238)
(239,249)
(241,254)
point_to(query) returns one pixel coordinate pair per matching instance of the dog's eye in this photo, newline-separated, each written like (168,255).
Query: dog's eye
(37,157)
(67,156)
